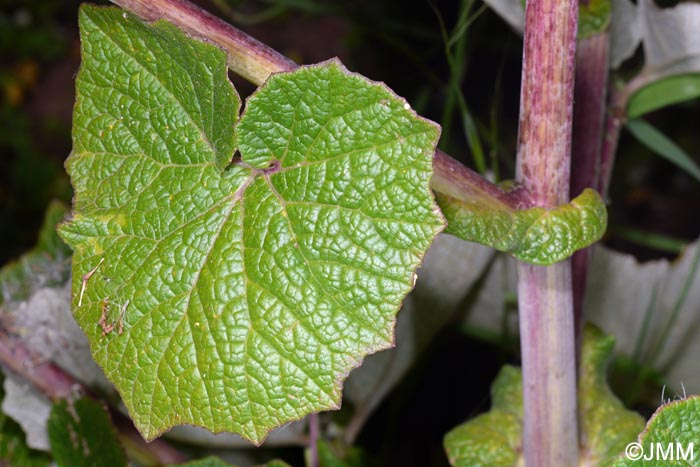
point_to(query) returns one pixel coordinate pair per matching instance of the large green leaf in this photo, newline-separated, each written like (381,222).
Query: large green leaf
(237,294)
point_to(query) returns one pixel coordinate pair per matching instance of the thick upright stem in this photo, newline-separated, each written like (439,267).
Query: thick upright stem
(545,293)
(590,90)
(550,431)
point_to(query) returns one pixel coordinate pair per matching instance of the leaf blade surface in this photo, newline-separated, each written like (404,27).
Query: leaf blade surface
(237,295)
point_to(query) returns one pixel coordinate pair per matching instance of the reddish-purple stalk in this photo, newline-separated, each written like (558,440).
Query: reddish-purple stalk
(613,125)
(550,429)
(314,435)
(590,89)
(615,118)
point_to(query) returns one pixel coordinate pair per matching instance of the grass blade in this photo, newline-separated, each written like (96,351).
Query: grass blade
(663,146)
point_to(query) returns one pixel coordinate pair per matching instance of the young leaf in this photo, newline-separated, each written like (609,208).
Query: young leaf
(594,17)
(237,295)
(536,235)
(216,462)
(348,457)
(45,265)
(13,446)
(82,434)
(495,438)
(606,425)
(492,439)
(674,426)
(660,144)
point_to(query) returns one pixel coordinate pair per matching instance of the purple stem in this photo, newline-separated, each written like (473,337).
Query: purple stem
(550,431)
(454,179)
(616,116)
(613,126)
(589,111)
(589,117)
(314,434)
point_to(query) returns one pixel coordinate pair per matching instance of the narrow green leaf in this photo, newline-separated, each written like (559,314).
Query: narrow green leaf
(237,294)
(81,434)
(670,439)
(651,240)
(667,91)
(660,144)
(536,235)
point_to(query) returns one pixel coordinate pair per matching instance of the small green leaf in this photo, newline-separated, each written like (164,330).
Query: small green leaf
(237,293)
(670,438)
(206,462)
(45,265)
(536,235)
(492,439)
(339,456)
(594,17)
(495,438)
(667,91)
(216,462)
(14,451)
(82,434)
(276,463)
(606,425)
(660,144)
